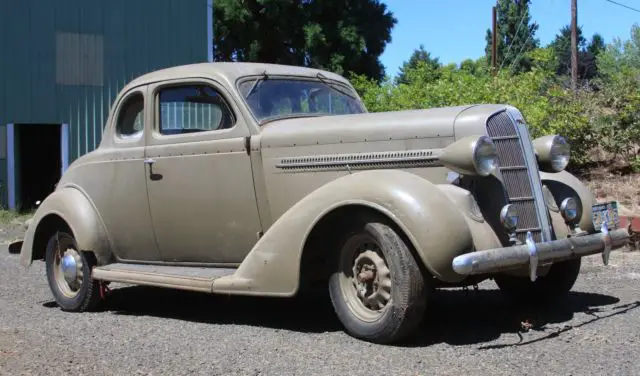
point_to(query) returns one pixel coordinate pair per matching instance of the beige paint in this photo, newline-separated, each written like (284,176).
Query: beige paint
(459,155)
(471,121)
(575,186)
(216,198)
(71,205)
(419,207)
(204,207)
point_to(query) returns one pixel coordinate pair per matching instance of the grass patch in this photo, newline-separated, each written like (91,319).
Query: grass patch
(11,216)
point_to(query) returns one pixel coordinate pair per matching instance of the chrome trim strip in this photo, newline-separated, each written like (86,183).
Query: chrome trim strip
(513,168)
(411,158)
(536,183)
(514,199)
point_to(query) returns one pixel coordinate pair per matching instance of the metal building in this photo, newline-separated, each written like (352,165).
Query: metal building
(62,63)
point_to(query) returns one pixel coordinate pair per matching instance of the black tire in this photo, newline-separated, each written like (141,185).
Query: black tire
(84,298)
(404,310)
(553,286)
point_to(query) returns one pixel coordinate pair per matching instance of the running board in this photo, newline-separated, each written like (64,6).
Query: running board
(177,277)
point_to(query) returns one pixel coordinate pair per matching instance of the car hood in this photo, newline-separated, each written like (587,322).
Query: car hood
(367,127)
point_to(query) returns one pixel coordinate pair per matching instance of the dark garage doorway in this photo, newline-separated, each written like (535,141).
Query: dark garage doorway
(38,162)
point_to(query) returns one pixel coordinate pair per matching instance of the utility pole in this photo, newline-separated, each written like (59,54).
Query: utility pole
(574,45)
(494,40)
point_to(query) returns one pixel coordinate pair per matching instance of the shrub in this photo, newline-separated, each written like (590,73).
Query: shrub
(548,107)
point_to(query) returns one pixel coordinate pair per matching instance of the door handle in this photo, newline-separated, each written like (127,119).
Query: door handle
(153,176)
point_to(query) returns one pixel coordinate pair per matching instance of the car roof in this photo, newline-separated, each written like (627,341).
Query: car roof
(229,71)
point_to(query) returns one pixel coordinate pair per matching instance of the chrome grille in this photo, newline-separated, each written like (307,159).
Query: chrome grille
(517,180)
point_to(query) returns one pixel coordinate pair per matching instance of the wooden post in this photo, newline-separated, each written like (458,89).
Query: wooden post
(574,45)
(494,40)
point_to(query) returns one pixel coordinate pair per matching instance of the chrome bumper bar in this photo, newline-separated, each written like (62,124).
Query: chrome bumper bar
(531,253)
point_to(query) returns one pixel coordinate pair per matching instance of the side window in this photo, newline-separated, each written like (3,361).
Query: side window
(130,122)
(193,108)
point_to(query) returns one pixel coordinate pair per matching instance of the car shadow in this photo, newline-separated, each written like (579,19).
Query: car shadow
(480,316)
(454,316)
(303,314)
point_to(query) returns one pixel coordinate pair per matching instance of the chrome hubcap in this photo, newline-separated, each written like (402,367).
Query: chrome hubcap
(69,267)
(68,271)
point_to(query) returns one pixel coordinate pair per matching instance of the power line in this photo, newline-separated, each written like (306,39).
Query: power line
(504,58)
(513,64)
(623,5)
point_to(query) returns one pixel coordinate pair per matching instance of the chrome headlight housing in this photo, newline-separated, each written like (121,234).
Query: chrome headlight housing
(553,153)
(509,217)
(570,209)
(471,155)
(485,156)
(560,153)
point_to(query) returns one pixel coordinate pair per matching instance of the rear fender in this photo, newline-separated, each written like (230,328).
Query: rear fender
(433,224)
(74,208)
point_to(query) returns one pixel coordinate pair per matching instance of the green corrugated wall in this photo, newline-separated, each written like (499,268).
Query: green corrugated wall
(125,37)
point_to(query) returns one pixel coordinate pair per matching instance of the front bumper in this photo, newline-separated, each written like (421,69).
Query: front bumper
(531,254)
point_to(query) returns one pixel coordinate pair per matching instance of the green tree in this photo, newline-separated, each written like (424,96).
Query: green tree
(548,108)
(596,45)
(618,101)
(475,67)
(561,45)
(418,56)
(339,35)
(588,58)
(515,36)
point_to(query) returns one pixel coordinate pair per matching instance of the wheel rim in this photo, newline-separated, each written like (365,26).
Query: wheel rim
(365,278)
(67,270)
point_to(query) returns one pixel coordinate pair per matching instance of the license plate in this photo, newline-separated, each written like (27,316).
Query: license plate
(605,212)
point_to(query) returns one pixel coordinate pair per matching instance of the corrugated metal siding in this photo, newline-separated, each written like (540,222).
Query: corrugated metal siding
(136,37)
(120,39)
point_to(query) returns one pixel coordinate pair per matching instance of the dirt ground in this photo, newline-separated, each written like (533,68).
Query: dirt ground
(153,331)
(609,186)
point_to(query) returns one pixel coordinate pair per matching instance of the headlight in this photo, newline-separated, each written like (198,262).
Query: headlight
(471,155)
(509,217)
(485,156)
(560,153)
(569,209)
(553,152)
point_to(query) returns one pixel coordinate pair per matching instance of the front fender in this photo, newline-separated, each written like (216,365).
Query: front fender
(75,209)
(435,226)
(562,185)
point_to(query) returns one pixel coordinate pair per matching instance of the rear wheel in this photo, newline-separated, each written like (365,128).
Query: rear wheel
(377,289)
(555,285)
(69,274)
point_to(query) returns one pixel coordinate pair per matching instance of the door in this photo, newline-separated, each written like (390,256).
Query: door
(119,187)
(199,176)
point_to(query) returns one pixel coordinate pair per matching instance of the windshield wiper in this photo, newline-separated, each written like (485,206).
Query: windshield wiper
(255,84)
(335,87)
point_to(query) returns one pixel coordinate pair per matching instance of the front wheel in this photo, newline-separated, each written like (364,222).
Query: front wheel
(69,274)
(553,286)
(377,289)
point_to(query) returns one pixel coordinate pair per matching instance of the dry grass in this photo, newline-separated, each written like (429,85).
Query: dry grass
(14,217)
(609,186)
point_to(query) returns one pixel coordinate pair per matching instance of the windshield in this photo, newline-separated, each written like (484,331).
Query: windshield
(277,98)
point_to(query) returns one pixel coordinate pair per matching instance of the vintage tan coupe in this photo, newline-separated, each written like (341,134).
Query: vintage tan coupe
(271,180)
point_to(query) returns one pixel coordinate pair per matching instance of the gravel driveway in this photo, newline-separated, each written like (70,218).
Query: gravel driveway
(152,331)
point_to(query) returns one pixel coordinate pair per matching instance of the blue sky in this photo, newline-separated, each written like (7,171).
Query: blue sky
(454,30)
